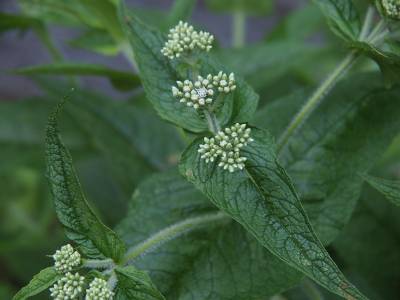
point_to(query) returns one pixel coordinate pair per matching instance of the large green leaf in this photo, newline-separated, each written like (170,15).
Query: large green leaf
(388,62)
(158,74)
(121,80)
(345,134)
(261,198)
(389,188)
(369,244)
(342,17)
(123,133)
(218,261)
(80,224)
(39,283)
(135,285)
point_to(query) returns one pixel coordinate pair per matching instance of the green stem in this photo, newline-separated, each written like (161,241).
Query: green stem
(367,23)
(239,29)
(310,288)
(329,81)
(216,103)
(212,121)
(377,29)
(95,263)
(170,233)
(183,135)
(311,103)
(112,281)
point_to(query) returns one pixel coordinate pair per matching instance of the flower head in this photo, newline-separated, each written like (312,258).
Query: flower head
(66,259)
(201,93)
(227,145)
(98,290)
(68,287)
(392,8)
(184,38)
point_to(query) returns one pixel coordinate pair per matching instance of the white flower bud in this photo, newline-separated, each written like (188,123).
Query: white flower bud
(98,290)
(66,259)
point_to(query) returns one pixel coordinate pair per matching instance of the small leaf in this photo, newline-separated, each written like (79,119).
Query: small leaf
(97,41)
(342,18)
(40,282)
(388,62)
(79,222)
(94,274)
(135,285)
(158,75)
(261,198)
(391,189)
(121,80)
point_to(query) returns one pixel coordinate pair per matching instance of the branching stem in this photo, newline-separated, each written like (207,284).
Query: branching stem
(212,121)
(170,233)
(313,101)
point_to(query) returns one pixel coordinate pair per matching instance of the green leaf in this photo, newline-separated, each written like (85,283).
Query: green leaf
(369,244)
(252,7)
(388,62)
(121,80)
(261,198)
(389,188)
(347,133)
(219,261)
(342,17)
(80,224)
(9,22)
(134,284)
(40,282)
(262,63)
(97,41)
(180,11)
(158,74)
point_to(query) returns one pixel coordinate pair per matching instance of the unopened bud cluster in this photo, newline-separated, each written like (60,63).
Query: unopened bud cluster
(392,7)
(66,259)
(98,290)
(227,145)
(184,38)
(200,93)
(68,287)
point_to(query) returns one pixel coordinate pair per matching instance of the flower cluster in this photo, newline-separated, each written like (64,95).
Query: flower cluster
(225,84)
(98,290)
(200,93)
(227,145)
(66,259)
(392,7)
(68,287)
(184,38)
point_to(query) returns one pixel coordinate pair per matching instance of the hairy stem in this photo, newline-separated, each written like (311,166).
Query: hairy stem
(377,29)
(212,121)
(367,23)
(239,29)
(327,84)
(312,102)
(310,288)
(170,233)
(96,263)
(112,281)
